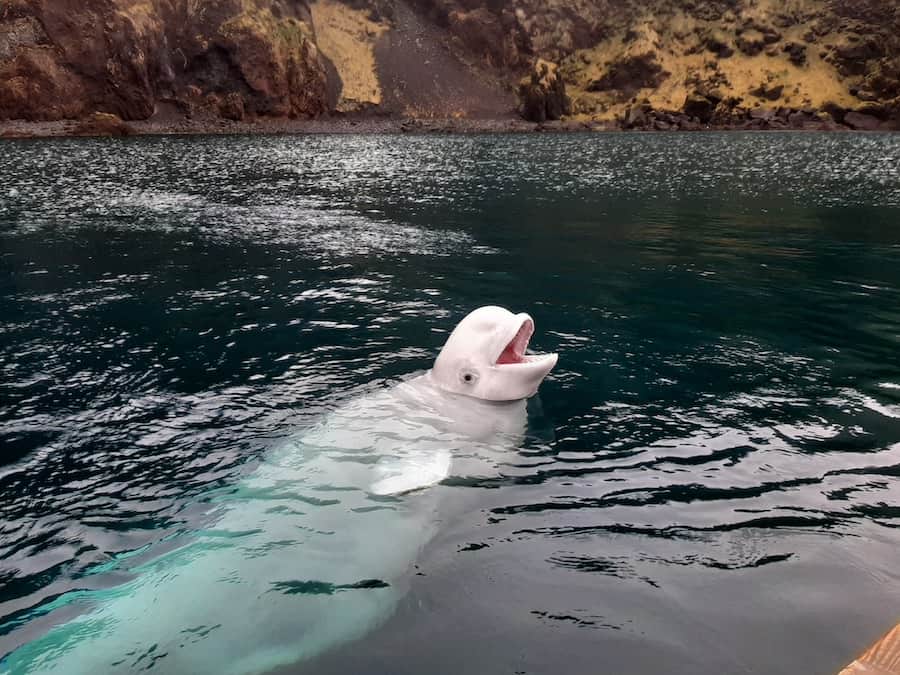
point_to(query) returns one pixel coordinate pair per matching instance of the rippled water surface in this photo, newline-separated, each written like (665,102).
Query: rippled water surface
(711,483)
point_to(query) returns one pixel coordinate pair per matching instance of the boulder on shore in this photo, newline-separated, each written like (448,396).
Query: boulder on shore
(102,124)
(702,105)
(543,93)
(862,122)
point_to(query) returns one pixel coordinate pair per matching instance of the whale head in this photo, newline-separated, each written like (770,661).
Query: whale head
(485,358)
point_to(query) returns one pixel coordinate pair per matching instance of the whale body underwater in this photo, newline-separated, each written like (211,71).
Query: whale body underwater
(312,549)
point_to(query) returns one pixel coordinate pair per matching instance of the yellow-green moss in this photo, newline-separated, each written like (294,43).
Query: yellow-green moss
(347,37)
(285,34)
(678,40)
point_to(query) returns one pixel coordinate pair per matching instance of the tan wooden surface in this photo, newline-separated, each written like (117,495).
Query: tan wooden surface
(882,658)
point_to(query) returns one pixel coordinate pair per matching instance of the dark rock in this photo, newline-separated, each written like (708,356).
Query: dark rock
(711,93)
(637,117)
(859,51)
(484,34)
(876,110)
(666,117)
(753,37)
(211,100)
(232,107)
(630,74)
(767,91)
(699,106)
(543,94)
(826,24)
(817,124)
(764,114)
(884,79)
(102,124)
(852,56)
(716,43)
(800,120)
(835,111)
(796,53)
(893,108)
(751,46)
(862,122)
(708,10)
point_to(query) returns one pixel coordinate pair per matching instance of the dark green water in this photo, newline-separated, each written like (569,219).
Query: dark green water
(718,485)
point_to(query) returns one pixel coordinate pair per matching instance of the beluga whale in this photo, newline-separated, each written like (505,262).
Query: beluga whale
(314,547)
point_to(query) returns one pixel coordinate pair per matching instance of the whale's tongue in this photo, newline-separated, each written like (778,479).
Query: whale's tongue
(514,352)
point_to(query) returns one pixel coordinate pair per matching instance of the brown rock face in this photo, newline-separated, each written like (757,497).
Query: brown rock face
(862,122)
(66,58)
(241,59)
(512,34)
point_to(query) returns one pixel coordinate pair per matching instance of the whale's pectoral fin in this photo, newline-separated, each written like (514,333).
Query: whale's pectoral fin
(410,471)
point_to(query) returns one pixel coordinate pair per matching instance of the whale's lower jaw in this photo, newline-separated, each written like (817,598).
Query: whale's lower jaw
(540,364)
(514,354)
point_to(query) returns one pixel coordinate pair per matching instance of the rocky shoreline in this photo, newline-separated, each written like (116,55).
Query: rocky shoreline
(639,121)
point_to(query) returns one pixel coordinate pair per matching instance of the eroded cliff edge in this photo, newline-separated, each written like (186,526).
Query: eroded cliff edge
(653,64)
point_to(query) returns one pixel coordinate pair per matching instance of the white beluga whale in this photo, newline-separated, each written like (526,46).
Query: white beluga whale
(314,547)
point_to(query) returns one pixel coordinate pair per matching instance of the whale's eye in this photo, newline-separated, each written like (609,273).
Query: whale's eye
(468,377)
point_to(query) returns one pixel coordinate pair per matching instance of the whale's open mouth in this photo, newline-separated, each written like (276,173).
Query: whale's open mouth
(514,351)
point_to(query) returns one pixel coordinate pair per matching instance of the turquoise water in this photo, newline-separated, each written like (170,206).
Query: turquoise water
(711,478)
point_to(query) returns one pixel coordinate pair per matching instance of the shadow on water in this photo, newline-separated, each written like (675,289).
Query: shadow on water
(720,457)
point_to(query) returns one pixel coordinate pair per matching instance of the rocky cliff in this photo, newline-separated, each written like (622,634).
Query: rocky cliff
(688,63)
(66,58)
(655,64)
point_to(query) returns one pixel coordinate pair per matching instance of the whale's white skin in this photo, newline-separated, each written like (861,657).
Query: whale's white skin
(313,548)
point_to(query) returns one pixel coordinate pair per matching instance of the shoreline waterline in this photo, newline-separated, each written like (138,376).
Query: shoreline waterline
(14,129)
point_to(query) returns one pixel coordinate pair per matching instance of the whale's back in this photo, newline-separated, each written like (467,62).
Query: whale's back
(310,550)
